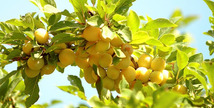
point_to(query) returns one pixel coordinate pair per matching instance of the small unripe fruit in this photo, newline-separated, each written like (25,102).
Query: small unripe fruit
(180,89)
(35,64)
(116,42)
(158,64)
(88,75)
(124,63)
(101,72)
(102,46)
(105,60)
(27,48)
(127,49)
(145,61)
(91,33)
(60,46)
(31,73)
(47,69)
(113,72)
(67,57)
(108,83)
(41,35)
(129,73)
(156,77)
(142,74)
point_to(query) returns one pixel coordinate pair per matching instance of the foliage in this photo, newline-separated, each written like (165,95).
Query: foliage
(109,20)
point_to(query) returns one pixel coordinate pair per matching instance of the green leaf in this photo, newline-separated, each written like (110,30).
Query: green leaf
(107,33)
(15,22)
(11,87)
(54,18)
(28,21)
(123,84)
(8,28)
(119,53)
(210,4)
(140,37)
(138,86)
(133,21)
(166,99)
(63,38)
(95,21)
(182,59)
(2,80)
(122,6)
(126,34)
(93,2)
(14,53)
(49,9)
(16,36)
(190,71)
(189,19)
(196,58)
(3,88)
(31,88)
(79,8)
(209,71)
(168,39)
(73,90)
(75,81)
(64,25)
(154,42)
(119,18)
(45,2)
(158,23)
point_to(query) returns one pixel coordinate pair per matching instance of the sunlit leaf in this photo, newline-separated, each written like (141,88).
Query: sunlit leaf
(159,23)
(182,59)
(140,37)
(133,21)
(73,90)
(75,81)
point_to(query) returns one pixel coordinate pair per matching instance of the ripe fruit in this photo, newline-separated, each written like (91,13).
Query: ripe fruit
(41,35)
(180,89)
(158,64)
(60,47)
(47,69)
(105,60)
(35,64)
(102,46)
(31,73)
(129,73)
(144,61)
(113,72)
(156,77)
(81,52)
(81,62)
(91,33)
(27,48)
(142,74)
(91,47)
(116,42)
(61,65)
(101,72)
(66,57)
(108,83)
(94,59)
(127,49)
(88,75)
(124,63)
(110,50)
(94,75)
(165,76)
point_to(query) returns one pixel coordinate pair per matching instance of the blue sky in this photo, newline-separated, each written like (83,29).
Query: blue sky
(154,8)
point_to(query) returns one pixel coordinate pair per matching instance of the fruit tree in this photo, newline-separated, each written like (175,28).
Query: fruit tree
(146,62)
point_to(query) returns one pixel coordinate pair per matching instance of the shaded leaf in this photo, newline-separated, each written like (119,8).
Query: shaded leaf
(75,81)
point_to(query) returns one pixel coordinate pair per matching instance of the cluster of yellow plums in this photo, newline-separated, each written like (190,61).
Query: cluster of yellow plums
(99,51)
(37,65)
